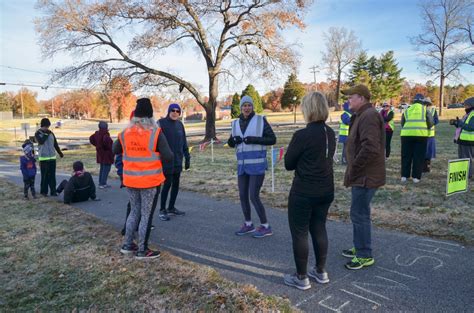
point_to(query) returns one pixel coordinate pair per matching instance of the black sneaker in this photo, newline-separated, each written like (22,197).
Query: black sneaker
(164,216)
(129,249)
(349,253)
(26,197)
(148,254)
(175,211)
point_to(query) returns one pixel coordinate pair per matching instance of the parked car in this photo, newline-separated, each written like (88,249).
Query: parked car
(455,106)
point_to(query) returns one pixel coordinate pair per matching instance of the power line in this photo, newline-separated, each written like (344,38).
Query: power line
(25,70)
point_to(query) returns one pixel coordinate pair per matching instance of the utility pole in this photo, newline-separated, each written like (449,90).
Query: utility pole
(314,71)
(22,109)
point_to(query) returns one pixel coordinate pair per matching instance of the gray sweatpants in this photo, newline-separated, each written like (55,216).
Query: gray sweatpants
(141,201)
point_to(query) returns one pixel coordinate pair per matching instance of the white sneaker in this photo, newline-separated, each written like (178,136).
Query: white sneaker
(403,179)
(294,281)
(416,180)
(321,278)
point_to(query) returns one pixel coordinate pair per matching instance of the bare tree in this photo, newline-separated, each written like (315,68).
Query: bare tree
(342,48)
(443,42)
(122,37)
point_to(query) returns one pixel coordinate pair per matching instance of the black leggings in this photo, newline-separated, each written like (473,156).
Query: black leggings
(388,141)
(249,187)
(171,182)
(308,214)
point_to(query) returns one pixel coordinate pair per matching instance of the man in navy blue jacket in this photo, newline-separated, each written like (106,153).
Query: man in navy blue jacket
(175,134)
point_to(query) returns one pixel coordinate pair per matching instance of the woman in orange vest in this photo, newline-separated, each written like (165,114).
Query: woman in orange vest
(142,145)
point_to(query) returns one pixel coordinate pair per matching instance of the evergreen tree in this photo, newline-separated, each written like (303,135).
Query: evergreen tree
(386,82)
(293,88)
(359,68)
(252,93)
(235,107)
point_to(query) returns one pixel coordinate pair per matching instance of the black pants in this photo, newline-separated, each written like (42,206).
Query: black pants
(308,214)
(61,186)
(388,142)
(150,220)
(48,177)
(171,182)
(413,156)
(29,183)
(249,189)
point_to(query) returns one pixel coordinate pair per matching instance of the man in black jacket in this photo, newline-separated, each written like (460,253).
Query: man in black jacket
(175,134)
(80,186)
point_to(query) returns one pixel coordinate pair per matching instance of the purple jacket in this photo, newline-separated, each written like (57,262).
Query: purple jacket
(103,146)
(28,166)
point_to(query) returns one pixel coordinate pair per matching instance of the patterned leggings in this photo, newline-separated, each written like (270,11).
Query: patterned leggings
(141,201)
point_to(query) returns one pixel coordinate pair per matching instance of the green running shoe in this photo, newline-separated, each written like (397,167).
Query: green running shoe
(358,263)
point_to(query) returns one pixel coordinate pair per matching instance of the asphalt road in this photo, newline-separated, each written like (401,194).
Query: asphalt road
(411,274)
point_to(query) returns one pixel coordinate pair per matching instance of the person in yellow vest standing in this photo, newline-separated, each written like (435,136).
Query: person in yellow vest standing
(47,148)
(344,123)
(464,136)
(143,146)
(431,144)
(416,122)
(387,115)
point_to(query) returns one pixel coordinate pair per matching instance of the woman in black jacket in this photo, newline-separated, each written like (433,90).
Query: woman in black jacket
(310,154)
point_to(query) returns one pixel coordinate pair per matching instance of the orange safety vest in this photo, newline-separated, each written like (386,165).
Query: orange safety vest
(142,166)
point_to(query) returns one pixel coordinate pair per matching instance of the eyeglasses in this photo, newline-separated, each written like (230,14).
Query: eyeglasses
(176,111)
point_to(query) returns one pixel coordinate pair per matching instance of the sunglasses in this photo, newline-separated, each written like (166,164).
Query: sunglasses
(176,111)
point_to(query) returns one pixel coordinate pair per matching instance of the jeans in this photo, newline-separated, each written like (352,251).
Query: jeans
(360,217)
(104,173)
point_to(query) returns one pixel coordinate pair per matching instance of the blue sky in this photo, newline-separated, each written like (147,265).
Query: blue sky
(382,25)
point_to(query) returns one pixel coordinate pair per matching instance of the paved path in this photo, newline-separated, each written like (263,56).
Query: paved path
(412,273)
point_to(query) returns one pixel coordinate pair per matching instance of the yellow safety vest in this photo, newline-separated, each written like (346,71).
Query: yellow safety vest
(415,121)
(467,135)
(343,128)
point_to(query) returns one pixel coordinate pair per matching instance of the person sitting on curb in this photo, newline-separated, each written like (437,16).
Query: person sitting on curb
(80,186)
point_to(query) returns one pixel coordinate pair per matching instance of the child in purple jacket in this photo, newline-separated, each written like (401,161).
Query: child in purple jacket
(28,169)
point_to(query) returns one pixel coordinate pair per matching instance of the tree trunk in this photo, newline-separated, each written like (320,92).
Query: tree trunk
(337,107)
(441,93)
(211,109)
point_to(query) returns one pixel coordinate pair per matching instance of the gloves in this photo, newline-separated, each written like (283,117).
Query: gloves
(250,140)
(187,163)
(237,140)
(61,154)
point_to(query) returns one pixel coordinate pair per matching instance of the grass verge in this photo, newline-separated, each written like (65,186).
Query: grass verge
(54,257)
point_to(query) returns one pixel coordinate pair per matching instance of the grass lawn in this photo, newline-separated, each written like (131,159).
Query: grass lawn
(57,258)
(421,209)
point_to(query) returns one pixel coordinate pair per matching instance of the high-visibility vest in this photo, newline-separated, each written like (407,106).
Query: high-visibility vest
(344,128)
(431,131)
(415,121)
(467,135)
(251,158)
(142,166)
(46,150)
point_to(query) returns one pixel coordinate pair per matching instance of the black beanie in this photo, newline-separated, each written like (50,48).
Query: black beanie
(144,108)
(45,122)
(77,166)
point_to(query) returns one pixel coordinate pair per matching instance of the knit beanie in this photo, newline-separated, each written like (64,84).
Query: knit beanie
(103,125)
(246,99)
(28,149)
(77,166)
(45,122)
(469,102)
(173,106)
(144,108)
